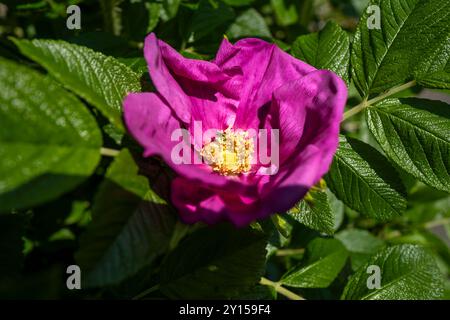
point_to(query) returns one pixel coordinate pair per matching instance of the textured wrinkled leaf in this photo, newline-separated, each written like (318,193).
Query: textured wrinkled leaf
(408,272)
(327,49)
(49,142)
(360,244)
(364,180)
(130,226)
(415,134)
(219,262)
(138,65)
(426,239)
(434,72)
(249,24)
(411,32)
(324,259)
(101,80)
(315,212)
(437,80)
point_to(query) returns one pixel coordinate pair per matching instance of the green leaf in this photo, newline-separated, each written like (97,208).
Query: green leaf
(101,80)
(138,64)
(414,133)
(169,9)
(154,12)
(434,72)
(207,18)
(411,31)
(436,80)
(427,239)
(365,181)
(285,12)
(408,272)
(49,142)
(314,211)
(278,231)
(323,261)
(360,244)
(328,49)
(238,3)
(130,226)
(249,24)
(144,18)
(214,263)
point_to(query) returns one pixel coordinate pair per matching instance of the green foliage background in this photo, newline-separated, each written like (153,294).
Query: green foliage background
(74,188)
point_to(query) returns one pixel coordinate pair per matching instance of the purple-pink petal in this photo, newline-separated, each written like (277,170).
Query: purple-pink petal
(249,85)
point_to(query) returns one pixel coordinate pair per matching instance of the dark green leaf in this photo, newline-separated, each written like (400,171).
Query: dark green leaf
(427,239)
(365,181)
(434,71)
(130,226)
(286,12)
(360,244)
(314,211)
(170,8)
(218,262)
(101,80)
(410,32)
(138,65)
(407,272)
(238,3)
(438,80)
(415,134)
(49,142)
(207,18)
(327,49)
(249,24)
(323,261)
(154,12)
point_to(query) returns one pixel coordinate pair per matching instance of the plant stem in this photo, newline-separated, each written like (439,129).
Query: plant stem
(289,252)
(281,290)
(365,103)
(109,152)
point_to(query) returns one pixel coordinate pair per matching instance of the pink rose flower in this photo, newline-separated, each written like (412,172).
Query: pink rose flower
(249,86)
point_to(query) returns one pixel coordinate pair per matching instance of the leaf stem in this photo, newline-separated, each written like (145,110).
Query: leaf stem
(109,152)
(289,252)
(365,103)
(281,290)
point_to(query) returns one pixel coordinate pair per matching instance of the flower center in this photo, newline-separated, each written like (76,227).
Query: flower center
(230,153)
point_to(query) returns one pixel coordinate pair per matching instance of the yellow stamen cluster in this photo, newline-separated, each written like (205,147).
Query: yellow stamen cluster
(230,153)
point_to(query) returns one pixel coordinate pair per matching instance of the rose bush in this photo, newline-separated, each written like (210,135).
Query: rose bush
(222,149)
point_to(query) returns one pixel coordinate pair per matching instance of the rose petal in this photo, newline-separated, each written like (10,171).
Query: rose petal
(322,95)
(196,90)
(152,123)
(264,67)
